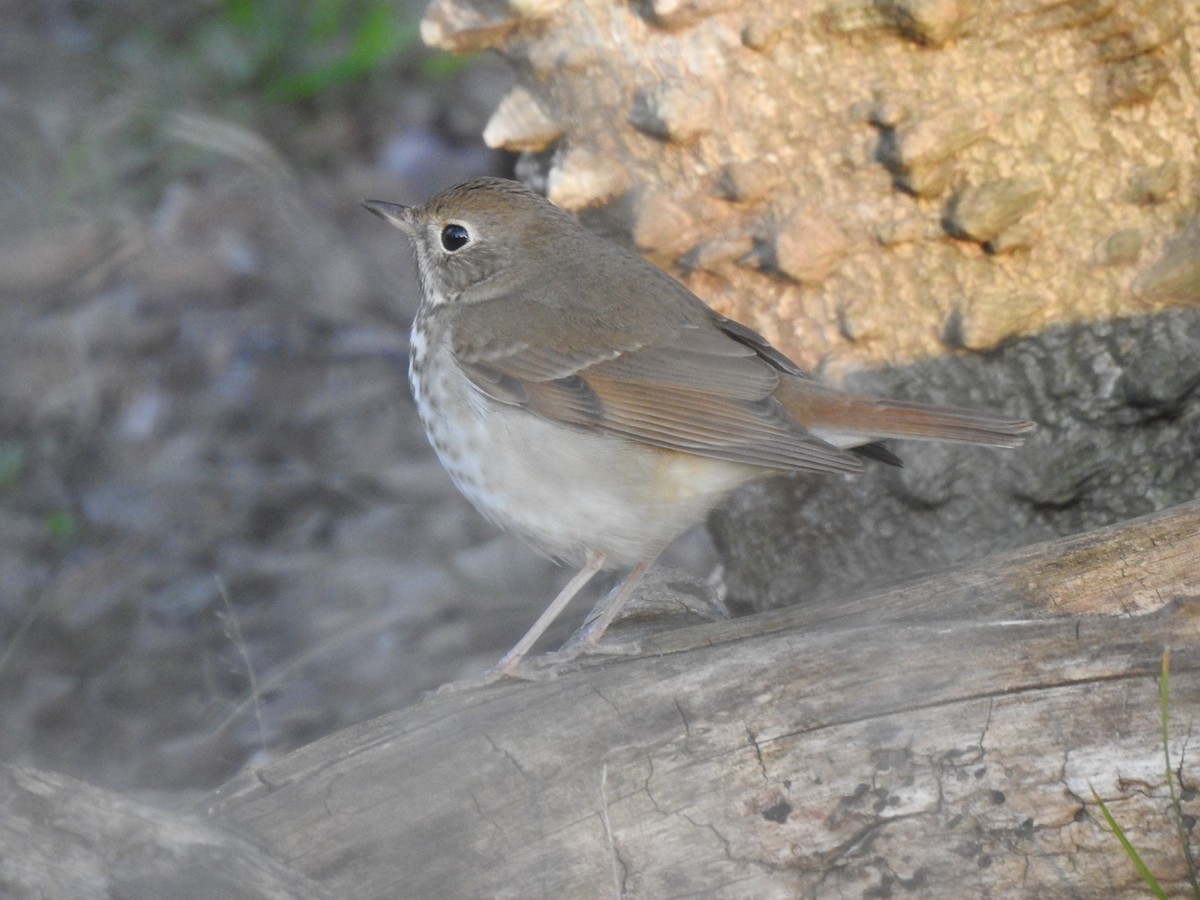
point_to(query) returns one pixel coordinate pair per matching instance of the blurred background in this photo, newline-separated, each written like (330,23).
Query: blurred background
(222,533)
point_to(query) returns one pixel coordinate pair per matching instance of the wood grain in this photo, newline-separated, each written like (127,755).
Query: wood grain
(63,839)
(943,737)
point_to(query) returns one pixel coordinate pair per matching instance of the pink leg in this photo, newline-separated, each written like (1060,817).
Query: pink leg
(589,635)
(512,659)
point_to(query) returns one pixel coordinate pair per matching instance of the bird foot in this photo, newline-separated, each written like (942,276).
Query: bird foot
(543,668)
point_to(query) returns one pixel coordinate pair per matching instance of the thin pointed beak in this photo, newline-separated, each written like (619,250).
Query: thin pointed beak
(392,213)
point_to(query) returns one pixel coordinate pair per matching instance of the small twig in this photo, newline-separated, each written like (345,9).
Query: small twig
(235,634)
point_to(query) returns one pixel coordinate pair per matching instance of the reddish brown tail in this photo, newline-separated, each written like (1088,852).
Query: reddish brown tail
(847,420)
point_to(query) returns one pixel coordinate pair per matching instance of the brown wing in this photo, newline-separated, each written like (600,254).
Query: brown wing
(689,385)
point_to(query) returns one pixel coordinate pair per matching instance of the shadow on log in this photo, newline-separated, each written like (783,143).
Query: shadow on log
(941,738)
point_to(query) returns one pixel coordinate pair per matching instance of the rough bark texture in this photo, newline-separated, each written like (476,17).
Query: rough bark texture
(872,182)
(942,739)
(869,181)
(1119,414)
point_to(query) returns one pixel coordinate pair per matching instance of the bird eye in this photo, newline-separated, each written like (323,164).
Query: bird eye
(455,237)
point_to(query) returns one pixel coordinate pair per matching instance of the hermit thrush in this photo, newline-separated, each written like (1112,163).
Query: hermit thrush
(591,404)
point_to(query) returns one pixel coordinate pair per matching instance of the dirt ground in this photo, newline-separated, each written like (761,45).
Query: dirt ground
(222,533)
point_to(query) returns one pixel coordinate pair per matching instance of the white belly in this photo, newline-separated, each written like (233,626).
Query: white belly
(565,490)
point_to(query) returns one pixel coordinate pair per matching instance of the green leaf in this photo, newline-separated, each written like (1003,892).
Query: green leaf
(1134,856)
(378,37)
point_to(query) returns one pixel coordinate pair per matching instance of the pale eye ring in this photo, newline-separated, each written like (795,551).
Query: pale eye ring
(455,237)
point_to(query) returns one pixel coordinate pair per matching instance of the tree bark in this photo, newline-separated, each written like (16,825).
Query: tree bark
(63,839)
(868,182)
(942,738)
(998,200)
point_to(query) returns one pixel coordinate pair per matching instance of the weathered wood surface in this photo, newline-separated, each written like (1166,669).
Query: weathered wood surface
(940,739)
(63,839)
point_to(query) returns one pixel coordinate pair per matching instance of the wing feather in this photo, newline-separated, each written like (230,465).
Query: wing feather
(697,386)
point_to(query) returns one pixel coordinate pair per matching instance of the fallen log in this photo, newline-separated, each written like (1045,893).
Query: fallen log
(943,736)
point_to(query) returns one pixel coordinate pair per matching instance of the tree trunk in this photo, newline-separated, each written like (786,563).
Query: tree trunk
(869,182)
(999,200)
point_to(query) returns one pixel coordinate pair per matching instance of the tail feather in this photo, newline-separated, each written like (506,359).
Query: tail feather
(851,420)
(922,421)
